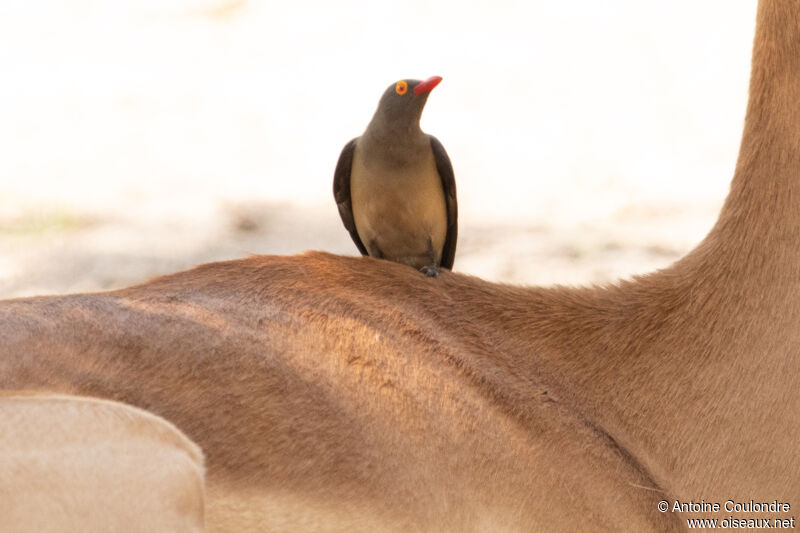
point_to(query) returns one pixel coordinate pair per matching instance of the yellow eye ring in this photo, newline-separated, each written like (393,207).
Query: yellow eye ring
(401,87)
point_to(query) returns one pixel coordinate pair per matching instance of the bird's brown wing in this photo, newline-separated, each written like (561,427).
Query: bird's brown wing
(449,185)
(341,193)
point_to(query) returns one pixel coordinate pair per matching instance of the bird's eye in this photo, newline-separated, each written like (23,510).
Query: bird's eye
(401,87)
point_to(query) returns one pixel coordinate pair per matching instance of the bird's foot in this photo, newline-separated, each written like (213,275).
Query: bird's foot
(432,271)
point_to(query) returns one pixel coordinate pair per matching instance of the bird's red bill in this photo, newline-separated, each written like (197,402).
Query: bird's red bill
(427,85)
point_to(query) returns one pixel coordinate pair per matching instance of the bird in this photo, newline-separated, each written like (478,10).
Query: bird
(394,185)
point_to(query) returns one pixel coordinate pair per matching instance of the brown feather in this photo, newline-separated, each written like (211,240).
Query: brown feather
(341,193)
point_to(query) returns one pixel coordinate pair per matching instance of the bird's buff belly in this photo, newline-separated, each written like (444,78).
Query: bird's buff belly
(407,226)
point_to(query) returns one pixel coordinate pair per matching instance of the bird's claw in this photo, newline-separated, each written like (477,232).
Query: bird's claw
(430,270)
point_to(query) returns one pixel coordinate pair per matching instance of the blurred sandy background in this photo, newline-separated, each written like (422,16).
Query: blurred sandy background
(590,140)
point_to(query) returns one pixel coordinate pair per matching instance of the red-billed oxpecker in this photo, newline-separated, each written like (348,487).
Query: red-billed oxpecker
(394,185)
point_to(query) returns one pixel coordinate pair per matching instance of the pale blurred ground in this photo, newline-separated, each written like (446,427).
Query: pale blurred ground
(591,140)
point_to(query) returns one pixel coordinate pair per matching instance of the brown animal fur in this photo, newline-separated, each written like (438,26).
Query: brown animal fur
(335,393)
(80,464)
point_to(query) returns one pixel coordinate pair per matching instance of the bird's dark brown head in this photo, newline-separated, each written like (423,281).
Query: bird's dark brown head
(400,107)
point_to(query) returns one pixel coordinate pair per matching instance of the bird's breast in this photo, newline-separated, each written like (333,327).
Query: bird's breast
(399,208)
